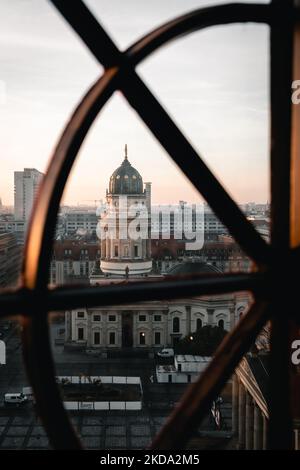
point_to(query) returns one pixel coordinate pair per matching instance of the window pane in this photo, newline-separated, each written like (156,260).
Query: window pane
(44,78)
(219,97)
(44,69)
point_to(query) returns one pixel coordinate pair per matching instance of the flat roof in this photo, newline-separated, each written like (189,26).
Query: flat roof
(166,368)
(191,358)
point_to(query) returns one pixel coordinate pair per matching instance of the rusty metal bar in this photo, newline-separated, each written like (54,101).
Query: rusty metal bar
(79,17)
(295,212)
(280,434)
(295,164)
(39,242)
(102,47)
(120,74)
(196,20)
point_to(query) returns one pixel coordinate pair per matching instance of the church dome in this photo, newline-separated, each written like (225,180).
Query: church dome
(126,179)
(190,268)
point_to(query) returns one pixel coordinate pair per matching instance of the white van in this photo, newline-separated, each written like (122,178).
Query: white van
(15,398)
(166,352)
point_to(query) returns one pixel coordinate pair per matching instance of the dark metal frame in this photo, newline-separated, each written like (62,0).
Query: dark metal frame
(33,300)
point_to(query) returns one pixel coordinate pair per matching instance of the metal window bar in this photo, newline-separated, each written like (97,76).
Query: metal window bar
(33,300)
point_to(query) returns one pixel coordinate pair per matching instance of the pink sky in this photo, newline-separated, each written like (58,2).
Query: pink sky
(214,84)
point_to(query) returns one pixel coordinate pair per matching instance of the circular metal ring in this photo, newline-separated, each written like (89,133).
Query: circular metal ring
(37,351)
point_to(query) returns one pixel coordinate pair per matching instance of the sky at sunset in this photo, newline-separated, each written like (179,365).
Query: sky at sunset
(214,84)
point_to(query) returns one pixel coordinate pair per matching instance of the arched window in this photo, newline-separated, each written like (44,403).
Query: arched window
(176,325)
(221,324)
(96,338)
(199,324)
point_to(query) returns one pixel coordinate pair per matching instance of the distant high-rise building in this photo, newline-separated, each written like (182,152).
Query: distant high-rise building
(26,186)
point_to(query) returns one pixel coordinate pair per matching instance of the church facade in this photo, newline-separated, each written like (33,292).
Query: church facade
(151,324)
(127,259)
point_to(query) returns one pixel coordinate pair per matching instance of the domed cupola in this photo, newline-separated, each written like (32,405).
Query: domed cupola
(126,179)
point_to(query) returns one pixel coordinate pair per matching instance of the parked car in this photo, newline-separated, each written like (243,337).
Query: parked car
(15,399)
(166,352)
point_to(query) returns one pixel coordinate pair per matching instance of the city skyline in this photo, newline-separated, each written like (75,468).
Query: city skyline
(91,203)
(222,108)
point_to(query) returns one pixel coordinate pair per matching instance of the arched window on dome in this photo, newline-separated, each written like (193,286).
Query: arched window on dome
(176,325)
(126,184)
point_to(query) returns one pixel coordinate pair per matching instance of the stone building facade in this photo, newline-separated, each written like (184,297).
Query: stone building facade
(124,260)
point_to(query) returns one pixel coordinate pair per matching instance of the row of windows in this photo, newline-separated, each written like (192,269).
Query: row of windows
(97,317)
(112,318)
(82,252)
(142,335)
(112,337)
(143,318)
(157,318)
(126,251)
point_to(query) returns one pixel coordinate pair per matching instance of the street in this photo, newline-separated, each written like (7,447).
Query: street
(20,428)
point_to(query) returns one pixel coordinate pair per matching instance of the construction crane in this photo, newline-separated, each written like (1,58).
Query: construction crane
(93,200)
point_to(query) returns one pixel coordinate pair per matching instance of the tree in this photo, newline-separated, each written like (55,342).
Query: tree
(203,342)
